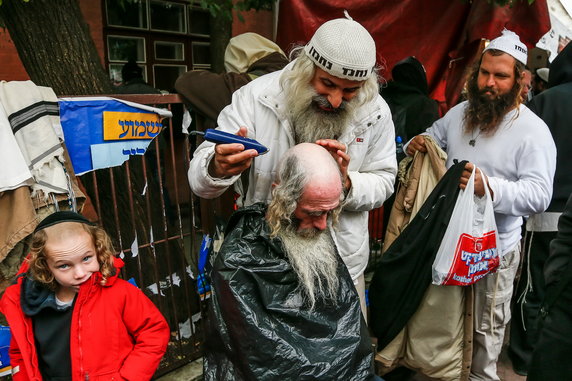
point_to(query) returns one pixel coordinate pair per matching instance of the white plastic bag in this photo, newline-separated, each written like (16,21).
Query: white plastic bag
(469,249)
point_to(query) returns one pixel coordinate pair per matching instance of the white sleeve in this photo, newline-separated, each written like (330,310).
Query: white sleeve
(532,192)
(231,118)
(372,182)
(438,131)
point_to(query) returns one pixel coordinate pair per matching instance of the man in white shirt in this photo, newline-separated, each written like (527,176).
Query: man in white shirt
(516,158)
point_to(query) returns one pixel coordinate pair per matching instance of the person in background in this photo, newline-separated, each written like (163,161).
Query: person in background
(553,107)
(247,56)
(412,110)
(70,315)
(526,92)
(133,82)
(283,304)
(540,80)
(515,158)
(328,95)
(551,357)
(408,98)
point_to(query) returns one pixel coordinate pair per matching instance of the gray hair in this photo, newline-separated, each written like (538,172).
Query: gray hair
(292,176)
(290,182)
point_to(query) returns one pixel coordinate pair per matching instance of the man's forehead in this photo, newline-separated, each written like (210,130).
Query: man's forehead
(319,208)
(500,57)
(341,82)
(323,203)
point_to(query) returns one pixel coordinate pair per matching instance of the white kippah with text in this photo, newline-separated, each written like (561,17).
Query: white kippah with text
(343,48)
(509,42)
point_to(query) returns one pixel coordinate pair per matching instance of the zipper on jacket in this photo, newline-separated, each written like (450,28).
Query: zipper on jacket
(32,342)
(79,307)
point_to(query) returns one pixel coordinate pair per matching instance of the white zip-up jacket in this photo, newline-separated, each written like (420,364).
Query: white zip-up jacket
(370,139)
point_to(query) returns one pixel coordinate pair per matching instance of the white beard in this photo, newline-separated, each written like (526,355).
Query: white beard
(315,261)
(310,123)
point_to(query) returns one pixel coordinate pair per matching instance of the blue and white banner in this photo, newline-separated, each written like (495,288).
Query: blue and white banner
(5,337)
(102,132)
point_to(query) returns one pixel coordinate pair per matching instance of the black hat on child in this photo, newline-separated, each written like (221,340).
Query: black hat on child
(62,216)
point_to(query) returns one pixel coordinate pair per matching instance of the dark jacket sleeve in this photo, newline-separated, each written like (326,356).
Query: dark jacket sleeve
(208,93)
(551,356)
(560,249)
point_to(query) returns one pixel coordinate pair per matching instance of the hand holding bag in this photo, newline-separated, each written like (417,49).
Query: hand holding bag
(469,249)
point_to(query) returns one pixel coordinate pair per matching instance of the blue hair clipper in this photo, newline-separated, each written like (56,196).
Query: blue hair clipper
(221,137)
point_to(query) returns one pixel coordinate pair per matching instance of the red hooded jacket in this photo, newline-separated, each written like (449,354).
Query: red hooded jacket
(117,333)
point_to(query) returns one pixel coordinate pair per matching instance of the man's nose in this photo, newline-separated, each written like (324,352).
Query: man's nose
(490,81)
(321,222)
(335,97)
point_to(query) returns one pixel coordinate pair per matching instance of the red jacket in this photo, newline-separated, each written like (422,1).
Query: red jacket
(117,333)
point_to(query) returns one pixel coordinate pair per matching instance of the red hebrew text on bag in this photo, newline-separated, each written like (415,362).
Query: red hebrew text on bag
(474,258)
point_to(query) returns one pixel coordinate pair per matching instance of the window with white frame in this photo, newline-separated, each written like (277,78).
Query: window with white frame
(166,38)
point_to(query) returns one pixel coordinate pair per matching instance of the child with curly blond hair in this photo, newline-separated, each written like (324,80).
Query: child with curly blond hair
(72,317)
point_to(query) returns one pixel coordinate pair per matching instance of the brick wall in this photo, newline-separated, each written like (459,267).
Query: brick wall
(12,68)
(259,22)
(93,15)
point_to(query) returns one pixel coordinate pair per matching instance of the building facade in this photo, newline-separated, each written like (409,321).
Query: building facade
(165,37)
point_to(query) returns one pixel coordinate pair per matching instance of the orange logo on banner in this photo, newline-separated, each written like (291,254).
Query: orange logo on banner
(130,125)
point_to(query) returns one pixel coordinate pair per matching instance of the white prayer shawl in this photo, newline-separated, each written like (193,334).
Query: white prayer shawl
(15,172)
(33,114)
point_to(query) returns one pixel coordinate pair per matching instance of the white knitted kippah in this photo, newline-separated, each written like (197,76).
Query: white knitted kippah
(543,73)
(343,48)
(509,42)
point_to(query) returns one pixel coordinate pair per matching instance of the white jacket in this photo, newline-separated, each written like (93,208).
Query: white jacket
(261,107)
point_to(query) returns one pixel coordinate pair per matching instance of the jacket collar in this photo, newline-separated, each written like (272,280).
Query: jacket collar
(118,264)
(35,297)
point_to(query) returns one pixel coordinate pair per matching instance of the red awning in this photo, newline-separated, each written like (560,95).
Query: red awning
(445,35)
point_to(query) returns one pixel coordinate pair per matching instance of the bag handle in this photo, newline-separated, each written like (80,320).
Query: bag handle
(471,183)
(486,186)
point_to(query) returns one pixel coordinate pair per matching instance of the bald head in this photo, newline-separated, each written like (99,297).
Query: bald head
(307,190)
(313,163)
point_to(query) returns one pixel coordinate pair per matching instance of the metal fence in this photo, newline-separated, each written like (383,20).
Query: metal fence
(147,208)
(157,225)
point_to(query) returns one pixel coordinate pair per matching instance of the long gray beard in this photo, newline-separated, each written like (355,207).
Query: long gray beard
(310,123)
(315,261)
